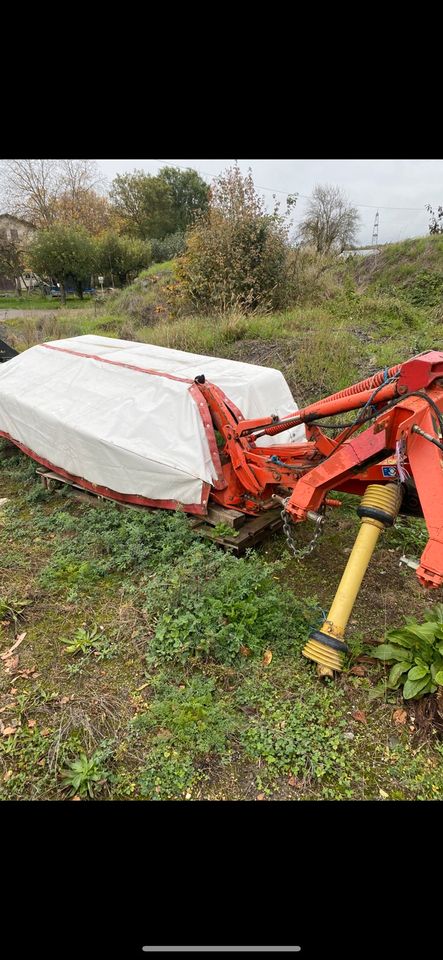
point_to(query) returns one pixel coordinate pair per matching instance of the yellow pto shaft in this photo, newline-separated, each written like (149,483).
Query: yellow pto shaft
(378,509)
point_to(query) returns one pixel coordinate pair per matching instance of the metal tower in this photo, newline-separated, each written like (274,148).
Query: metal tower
(375,231)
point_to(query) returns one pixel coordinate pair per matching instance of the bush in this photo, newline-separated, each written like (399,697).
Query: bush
(170,247)
(237,255)
(216,606)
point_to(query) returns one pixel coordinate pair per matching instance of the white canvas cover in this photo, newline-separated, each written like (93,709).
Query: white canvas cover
(126,418)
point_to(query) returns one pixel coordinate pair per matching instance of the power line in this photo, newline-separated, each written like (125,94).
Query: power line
(286,193)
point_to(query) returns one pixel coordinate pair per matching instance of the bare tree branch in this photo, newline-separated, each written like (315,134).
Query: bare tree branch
(330,221)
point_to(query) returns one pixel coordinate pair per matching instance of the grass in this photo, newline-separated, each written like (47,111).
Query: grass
(144,672)
(34,302)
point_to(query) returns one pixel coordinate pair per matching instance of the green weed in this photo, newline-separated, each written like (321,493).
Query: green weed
(211,605)
(85,777)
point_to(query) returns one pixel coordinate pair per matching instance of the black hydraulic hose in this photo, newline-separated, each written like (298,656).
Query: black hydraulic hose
(389,406)
(427,436)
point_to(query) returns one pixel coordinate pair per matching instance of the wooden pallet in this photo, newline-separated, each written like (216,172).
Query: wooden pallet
(246,531)
(251,532)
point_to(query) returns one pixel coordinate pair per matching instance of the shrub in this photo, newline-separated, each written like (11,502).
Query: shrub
(236,256)
(170,247)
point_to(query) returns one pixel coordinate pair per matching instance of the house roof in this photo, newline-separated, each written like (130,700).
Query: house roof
(11,216)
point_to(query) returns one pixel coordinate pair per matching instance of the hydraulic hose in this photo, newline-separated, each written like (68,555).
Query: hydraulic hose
(330,405)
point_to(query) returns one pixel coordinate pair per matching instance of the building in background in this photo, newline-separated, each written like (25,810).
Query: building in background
(18,232)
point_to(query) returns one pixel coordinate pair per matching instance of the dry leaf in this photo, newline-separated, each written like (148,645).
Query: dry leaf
(143,686)
(7,776)
(267,657)
(293,782)
(260,796)
(45,732)
(358,671)
(14,689)
(399,716)
(246,651)
(383,794)
(12,664)
(64,700)
(7,653)
(32,723)
(360,716)
(6,732)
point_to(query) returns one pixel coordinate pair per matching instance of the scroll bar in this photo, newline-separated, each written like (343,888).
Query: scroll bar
(218,949)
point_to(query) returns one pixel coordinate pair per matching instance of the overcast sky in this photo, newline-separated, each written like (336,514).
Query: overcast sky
(369,184)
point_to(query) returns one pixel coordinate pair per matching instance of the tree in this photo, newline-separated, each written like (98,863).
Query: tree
(86,209)
(436,221)
(330,221)
(122,256)
(62,251)
(236,256)
(189,193)
(76,176)
(144,204)
(30,188)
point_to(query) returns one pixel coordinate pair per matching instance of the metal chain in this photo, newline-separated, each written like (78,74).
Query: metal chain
(300,552)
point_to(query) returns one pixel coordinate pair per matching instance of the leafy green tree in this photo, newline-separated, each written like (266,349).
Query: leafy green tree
(189,192)
(122,257)
(63,251)
(144,204)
